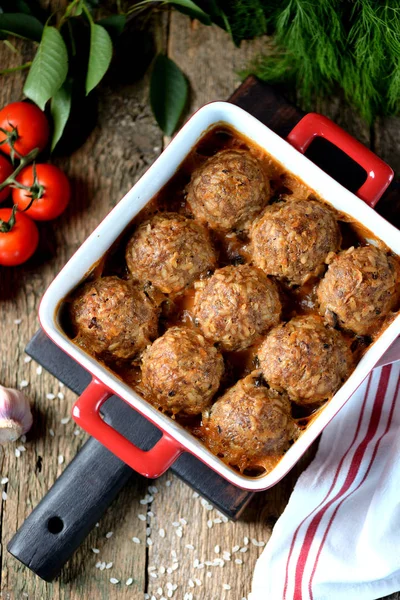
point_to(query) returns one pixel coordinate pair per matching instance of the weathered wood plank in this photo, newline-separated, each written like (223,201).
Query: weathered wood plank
(124,143)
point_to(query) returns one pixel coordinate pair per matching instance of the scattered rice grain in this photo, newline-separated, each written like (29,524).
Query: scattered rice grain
(129,581)
(136,540)
(4,480)
(113,580)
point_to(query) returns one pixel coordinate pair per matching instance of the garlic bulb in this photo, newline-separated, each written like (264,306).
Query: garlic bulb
(15,415)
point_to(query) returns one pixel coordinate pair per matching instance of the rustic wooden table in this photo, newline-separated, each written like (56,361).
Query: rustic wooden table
(124,143)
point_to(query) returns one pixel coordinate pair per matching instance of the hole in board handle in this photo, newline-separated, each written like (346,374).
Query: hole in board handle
(55,525)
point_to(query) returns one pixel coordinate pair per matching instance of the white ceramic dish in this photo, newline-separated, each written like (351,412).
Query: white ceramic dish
(175,438)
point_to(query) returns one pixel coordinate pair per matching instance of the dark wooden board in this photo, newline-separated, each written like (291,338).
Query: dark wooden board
(61,521)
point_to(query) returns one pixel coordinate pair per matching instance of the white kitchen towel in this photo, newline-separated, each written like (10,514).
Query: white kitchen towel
(339,536)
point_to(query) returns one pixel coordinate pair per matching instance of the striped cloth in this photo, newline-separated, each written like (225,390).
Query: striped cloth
(339,536)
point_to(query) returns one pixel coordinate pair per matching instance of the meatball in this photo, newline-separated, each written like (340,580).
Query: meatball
(236,305)
(292,239)
(249,424)
(306,358)
(229,190)
(359,287)
(170,251)
(113,318)
(181,372)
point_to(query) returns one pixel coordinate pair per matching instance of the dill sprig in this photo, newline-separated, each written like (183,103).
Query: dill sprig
(320,45)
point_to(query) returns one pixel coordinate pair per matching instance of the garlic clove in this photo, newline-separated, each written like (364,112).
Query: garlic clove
(15,415)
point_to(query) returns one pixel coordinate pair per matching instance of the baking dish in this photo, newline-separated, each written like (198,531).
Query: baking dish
(289,153)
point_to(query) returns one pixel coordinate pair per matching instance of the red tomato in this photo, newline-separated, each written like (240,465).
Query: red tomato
(18,244)
(26,125)
(5,171)
(55,192)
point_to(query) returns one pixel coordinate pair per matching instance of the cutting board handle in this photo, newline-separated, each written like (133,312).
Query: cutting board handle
(151,463)
(379,174)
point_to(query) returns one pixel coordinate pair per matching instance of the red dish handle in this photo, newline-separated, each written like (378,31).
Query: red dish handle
(152,464)
(379,174)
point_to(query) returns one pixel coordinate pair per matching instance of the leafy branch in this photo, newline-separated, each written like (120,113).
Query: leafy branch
(359,51)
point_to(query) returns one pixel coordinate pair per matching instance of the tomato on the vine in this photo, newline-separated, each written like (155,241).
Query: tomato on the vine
(48,195)
(5,171)
(23,127)
(19,238)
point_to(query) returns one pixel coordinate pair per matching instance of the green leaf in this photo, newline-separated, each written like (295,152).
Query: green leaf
(100,55)
(188,7)
(168,93)
(60,107)
(21,25)
(49,68)
(114,24)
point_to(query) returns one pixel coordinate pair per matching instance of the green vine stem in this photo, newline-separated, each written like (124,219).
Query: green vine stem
(25,160)
(6,226)
(14,69)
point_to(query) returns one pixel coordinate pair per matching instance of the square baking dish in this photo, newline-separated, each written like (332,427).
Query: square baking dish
(289,153)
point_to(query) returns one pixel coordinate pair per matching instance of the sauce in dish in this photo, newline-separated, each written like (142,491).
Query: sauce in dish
(237,301)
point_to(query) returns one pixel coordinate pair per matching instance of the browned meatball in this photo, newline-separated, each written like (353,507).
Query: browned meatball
(236,305)
(249,424)
(113,318)
(181,372)
(292,239)
(170,251)
(229,190)
(360,286)
(306,358)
